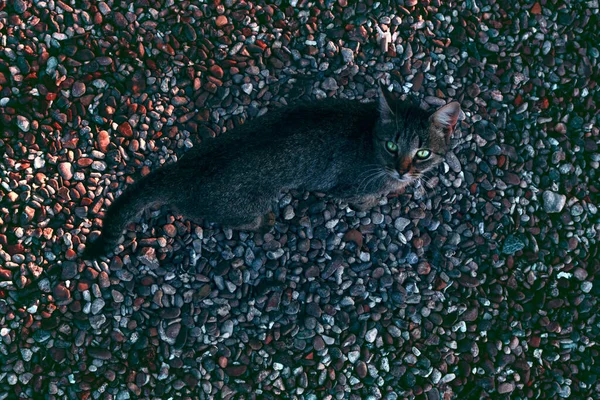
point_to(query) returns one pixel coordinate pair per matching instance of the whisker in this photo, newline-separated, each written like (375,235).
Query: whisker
(374,177)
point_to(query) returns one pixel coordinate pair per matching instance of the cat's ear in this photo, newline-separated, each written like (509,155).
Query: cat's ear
(447,116)
(385,105)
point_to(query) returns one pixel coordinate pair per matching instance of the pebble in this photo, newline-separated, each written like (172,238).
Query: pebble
(247,88)
(553,202)
(78,89)
(506,388)
(329,84)
(65,169)
(97,321)
(401,223)
(97,306)
(347,55)
(371,335)
(69,270)
(512,244)
(20,6)
(23,123)
(148,258)
(103,140)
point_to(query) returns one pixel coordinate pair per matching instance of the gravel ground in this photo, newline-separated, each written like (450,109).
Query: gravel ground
(481,283)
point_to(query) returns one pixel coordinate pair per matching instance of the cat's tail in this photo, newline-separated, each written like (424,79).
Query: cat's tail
(134,200)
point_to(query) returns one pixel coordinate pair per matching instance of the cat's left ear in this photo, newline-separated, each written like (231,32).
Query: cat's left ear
(386,102)
(447,117)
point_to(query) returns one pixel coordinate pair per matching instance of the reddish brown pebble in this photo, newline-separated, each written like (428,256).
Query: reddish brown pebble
(236,370)
(217,71)
(125,129)
(103,140)
(354,236)
(221,21)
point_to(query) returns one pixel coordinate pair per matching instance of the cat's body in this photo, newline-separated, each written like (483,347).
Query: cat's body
(331,146)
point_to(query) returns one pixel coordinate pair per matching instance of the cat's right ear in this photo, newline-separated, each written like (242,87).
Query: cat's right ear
(385,105)
(447,116)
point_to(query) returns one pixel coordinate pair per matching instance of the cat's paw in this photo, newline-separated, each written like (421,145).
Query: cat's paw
(364,205)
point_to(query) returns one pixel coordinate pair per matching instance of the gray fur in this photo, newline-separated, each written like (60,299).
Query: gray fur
(332,146)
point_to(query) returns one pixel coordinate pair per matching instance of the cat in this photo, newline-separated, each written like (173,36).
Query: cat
(356,152)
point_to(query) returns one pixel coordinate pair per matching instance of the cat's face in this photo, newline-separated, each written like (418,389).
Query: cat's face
(409,141)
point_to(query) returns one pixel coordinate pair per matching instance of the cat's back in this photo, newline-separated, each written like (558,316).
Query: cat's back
(328,118)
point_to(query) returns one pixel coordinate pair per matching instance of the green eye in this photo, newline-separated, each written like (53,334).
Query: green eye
(423,154)
(391,146)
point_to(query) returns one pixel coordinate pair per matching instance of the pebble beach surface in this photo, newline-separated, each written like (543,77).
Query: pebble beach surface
(479,282)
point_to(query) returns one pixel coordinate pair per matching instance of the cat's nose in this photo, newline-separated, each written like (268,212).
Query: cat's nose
(404,166)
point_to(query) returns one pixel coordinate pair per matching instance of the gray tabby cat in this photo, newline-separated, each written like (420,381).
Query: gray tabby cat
(356,152)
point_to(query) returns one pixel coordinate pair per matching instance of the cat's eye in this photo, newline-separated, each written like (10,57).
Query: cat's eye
(391,146)
(423,154)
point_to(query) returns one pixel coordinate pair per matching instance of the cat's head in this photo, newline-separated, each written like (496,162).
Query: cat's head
(410,141)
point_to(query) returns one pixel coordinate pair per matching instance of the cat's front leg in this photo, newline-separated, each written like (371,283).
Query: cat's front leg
(364,203)
(262,223)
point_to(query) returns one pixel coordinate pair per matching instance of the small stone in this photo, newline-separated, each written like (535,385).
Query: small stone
(41,335)
(400,223)
(179,101)
(99,353)
(65,169)
(361,369)
(354,236)
(78,89)
(117,296)
(69,270)
(453,162)
(506,387)
(512,244)
(221,21)
(104,8)
(288,213)
(148,258)
(103,140)
(97,305)
(217,71)
(553,202)
(580,273)
(586,286)
(173,330)
(170,313)
(120,20)
(99,166)
(26,354)
(25,378)
(170,230)
(20,6)
(473,90)
(125,129)
(61,293)
(253,70)
(347,55)
(577,210)
(318,343)
(371,335)
(23,123)
(103,280)
(247,88)
(97,321)
(329,84)
(236,370)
